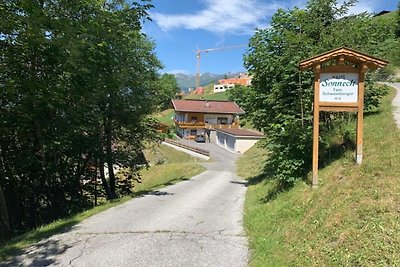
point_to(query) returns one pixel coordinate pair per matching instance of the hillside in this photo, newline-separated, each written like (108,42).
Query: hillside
(351,219)
(209,94)
(390,47)
(186,81)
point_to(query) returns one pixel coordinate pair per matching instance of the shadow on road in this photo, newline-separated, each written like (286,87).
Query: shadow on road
(44,254)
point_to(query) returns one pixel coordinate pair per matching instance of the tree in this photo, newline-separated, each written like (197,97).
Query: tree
(168,88)
(282,98)
(77,86)
(398,21)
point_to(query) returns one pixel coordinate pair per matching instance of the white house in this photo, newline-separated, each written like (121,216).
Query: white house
(237,140)
(193,117)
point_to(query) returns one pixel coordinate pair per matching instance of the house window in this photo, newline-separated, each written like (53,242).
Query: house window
(193,132)
(222,120)
(193,119)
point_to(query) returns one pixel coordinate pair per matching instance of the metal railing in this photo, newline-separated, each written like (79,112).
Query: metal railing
(194,149)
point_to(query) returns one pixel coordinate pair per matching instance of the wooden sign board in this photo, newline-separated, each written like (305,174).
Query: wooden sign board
(339,87)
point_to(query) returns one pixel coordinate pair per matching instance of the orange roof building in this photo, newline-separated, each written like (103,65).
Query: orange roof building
(229,83)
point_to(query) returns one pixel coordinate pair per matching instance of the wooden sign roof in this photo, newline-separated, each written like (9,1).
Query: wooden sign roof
(345,53)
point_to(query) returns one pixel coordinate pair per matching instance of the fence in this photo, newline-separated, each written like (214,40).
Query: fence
(194,149)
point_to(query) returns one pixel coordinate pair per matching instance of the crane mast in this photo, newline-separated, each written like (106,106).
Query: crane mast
(198,57)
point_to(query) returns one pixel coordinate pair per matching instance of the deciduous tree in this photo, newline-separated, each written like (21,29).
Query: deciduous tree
(282,98)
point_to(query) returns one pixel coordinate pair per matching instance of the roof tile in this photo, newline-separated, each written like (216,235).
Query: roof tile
(206,106)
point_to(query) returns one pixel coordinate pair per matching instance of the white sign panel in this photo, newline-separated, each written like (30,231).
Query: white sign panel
(338,87)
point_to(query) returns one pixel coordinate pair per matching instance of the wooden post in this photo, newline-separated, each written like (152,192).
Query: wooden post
(360,114)
(317,73)
(337,79)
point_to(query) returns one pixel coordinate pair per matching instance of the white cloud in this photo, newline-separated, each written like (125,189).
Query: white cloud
(361,6)
(220,16)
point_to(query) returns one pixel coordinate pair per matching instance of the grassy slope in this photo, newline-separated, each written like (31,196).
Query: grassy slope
(176,166)
(352,219)
(209,94)
(166,117)
(390,19)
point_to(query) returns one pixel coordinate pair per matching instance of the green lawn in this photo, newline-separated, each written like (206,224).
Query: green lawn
(176,166)
(167,166)
(166,117)
(216,96)
(351,219)
(209,94)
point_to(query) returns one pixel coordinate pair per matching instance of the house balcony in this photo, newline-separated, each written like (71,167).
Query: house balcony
(189,125)
(202,125)
(222,126)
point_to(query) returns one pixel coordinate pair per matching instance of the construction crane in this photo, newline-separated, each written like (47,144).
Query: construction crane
(198,56)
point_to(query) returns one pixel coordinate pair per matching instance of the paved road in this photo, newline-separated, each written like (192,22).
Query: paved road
(193,223)
(396,103)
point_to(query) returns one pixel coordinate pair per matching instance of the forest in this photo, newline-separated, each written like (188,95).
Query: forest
(78,83)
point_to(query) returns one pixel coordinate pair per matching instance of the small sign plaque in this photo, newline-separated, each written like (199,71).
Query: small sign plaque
(339,87)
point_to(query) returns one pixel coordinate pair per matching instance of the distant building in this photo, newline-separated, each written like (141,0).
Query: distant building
(198,91)
(193,117)
(383,12)
(229,83)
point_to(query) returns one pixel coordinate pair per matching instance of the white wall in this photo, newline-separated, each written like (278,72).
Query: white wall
(233,144)
(212,118)
(242,145)
(218,88)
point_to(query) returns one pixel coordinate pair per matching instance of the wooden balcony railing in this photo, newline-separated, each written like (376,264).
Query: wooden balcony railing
(193,125)
(222,126)
(182,124)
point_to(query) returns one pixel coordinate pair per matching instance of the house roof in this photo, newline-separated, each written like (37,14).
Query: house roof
(206,106)
(241,133)
(347,54)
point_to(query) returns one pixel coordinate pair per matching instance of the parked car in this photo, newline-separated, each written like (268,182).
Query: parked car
(200,138)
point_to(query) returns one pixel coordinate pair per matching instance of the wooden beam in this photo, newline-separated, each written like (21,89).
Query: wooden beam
(338,109)
(317,72)
(360,114)
(339,104)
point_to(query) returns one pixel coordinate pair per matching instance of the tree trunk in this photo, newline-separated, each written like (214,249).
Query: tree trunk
(101,164)
(103,178)
(5,230)
(109,156)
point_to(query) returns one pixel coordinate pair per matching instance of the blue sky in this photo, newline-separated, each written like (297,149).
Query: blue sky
(180,26)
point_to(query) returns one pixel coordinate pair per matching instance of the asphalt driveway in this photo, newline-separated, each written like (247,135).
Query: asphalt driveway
(193,223)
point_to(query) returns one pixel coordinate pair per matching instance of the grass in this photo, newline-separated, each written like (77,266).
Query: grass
(209,94)
(352,219)
(168,166)
(216,96)
(166,117)
(176,166)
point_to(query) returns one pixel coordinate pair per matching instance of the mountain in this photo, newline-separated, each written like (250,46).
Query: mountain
(186,81)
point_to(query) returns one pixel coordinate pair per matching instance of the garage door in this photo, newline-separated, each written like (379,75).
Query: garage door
(220,139)
(230,143)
